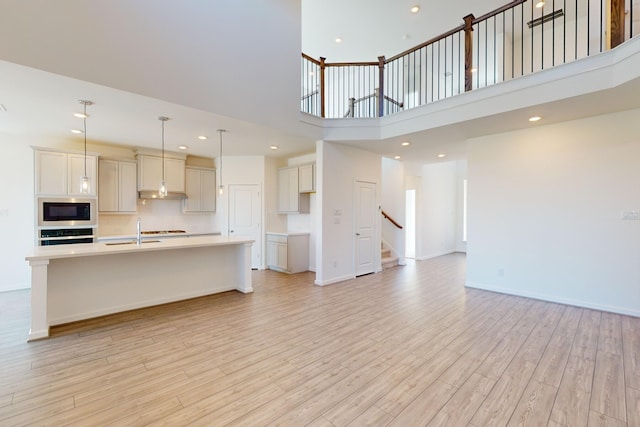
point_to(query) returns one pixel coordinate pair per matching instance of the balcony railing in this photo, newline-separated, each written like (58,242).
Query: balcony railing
(517,39)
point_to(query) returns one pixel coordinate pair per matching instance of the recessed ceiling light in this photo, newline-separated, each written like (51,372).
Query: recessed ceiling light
(274,147)
(338,40)
(76,131)
(441,155)
(202,137)
(540,4)
(406,144)
(80,115)
(415,9)
(396,157)
(182,147)
(534,118)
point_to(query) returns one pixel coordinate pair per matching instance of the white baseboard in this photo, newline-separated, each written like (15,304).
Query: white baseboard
(434,255)
(334,280)
(554,298)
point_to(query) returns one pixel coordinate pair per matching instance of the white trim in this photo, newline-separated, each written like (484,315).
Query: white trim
(435,255)
(553,298)
(334,280)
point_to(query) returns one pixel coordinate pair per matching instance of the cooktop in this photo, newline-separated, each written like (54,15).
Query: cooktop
(163,232)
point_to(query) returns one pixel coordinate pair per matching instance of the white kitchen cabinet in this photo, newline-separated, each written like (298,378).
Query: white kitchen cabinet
(59,173)
(288,252)
(200,185)
(289,198)
(306,178)
(150,173)
(118,192)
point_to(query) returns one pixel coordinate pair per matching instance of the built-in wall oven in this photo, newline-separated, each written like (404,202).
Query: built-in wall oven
(65,221)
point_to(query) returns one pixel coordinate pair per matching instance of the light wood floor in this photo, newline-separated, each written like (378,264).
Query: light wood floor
(407,347)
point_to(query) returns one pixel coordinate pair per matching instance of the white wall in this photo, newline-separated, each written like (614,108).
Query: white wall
(437,204)
(305,222)
(393,203)
(545,212)
(16,212)
(461,176)
(339,166)
(274,221)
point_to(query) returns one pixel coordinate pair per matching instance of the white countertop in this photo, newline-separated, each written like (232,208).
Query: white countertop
(289,233)
(155,236)
(42,253)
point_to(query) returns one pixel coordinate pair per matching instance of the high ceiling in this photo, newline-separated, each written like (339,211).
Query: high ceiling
(209,65)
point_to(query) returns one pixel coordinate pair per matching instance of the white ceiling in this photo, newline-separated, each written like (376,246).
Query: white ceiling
(210,65)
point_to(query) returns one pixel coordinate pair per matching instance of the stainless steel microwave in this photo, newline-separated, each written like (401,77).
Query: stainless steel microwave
(69,212)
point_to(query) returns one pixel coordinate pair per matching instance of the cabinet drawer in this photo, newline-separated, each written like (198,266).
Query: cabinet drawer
(276,239)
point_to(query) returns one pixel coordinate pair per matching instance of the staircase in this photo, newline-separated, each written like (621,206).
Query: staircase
(387,259)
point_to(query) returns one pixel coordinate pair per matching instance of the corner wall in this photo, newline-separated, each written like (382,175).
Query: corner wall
(17,212)
(339,166)
(545,212)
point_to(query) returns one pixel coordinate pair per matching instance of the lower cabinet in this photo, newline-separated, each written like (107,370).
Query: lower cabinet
(288,252)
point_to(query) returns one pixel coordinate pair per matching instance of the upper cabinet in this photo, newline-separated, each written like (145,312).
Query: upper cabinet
(59,173)
(118,191)
(291,197)
(306,178)
(150,171)
(201,190)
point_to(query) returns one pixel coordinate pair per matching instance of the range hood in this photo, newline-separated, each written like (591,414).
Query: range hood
(172,195)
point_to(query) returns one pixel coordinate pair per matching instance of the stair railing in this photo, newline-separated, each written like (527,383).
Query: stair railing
(517,39)
(393,221)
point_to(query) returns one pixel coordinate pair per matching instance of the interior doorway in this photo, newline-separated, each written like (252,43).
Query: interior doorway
(245,218)
(365,227)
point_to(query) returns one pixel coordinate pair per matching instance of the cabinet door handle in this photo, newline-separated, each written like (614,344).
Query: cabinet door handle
(357,234)
(230,231)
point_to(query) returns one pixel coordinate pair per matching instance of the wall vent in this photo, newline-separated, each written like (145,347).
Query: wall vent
(544,18)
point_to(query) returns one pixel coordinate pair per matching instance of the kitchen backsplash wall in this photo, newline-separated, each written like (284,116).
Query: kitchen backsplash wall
(155,215)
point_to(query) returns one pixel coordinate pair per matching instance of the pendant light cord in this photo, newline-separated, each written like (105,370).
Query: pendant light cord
(85,136)
(220,132)
(163,148)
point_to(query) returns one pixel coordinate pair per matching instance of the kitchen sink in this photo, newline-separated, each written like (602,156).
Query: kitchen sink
(131,242)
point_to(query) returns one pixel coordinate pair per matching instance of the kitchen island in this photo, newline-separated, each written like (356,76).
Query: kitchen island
(76,282)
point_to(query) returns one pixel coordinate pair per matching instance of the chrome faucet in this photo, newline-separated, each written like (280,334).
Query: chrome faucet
(139,236)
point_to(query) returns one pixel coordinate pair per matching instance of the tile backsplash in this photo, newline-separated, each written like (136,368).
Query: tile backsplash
(155,215)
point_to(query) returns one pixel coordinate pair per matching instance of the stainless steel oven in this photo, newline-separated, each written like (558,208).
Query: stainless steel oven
(66,212)
(65,236)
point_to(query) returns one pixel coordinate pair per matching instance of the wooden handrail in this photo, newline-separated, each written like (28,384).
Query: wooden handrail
(498,11)
(308,58)
(427,43)
(393,221)
(351,64)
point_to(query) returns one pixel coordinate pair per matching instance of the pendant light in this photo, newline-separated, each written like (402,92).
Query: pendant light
(85,184)
(162,192)
(221,187)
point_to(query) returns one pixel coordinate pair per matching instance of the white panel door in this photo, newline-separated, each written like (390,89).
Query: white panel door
(245,219)
(365,225)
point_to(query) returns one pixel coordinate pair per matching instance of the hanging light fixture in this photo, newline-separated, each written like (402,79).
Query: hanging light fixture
(162,192)
(221,187)
(85,183)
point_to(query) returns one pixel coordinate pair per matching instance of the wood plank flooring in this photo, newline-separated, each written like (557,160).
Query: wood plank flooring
(406,347)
